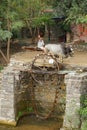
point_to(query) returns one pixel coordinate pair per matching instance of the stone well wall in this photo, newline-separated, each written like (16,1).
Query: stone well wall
(16,95)
(76,86)
(9,90)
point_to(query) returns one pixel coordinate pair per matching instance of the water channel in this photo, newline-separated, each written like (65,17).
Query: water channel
(30,122)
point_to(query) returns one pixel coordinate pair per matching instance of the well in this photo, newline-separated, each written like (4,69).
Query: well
(45,91)
(32,88)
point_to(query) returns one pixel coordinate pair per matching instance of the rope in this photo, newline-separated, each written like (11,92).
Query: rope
(54,102)
(42,70)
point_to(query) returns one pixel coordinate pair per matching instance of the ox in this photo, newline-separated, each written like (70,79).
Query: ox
(60,50)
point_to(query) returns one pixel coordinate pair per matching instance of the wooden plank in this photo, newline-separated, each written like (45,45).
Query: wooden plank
(31,48)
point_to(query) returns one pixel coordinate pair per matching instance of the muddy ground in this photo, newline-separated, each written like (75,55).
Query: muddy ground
(79,58)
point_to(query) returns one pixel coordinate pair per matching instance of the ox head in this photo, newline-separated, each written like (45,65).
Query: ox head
(68,51)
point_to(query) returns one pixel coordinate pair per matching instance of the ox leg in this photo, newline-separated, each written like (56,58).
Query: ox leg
(60,57)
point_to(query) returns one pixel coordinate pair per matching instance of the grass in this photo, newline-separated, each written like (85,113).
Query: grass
(1,68)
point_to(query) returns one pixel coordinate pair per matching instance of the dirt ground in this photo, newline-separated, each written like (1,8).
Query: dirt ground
(79,58)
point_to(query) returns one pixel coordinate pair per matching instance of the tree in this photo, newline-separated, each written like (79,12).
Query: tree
(75,11)
(9,19)
(4,34)
(16,14)
(33,15)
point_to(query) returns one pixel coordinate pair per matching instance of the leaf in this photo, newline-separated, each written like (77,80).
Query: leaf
(4,34)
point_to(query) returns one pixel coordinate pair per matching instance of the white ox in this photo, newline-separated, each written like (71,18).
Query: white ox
(59,50)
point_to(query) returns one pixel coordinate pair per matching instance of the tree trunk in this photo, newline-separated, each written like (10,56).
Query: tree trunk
(68,37)
(8,49)
(8,42)
(3,56)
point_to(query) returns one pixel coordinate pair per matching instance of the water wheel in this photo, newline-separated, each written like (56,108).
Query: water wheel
(46,84)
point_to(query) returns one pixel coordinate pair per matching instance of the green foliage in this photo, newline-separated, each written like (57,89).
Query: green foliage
(28,13)
(82,19)
(83,109)
(75,14)
(20,114)
(1,68)
(4,34)
(17,25)
(41,21)
(84,125)
(27,110)
(75,11)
